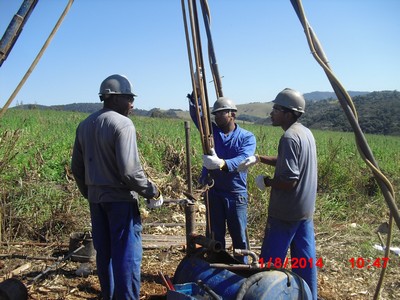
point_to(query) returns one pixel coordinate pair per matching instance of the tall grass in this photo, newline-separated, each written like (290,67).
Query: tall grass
(39,198)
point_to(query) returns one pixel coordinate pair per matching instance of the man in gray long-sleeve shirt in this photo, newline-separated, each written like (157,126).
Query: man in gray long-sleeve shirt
(108,172)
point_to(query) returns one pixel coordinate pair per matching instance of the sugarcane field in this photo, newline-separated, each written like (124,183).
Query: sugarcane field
(125,197)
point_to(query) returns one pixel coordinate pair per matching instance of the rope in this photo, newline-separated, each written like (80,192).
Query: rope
(387,251)
(350,111)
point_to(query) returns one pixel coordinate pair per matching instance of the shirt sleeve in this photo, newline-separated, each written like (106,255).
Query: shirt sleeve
(192,111)
(78,168)
(129,166)
(288,160)
(247,148)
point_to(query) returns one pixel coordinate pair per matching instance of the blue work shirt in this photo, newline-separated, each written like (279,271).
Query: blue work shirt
(233,148)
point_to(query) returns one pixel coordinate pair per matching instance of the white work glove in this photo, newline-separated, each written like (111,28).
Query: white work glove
(260,182)
(212,162)
(247,163)
(155,202)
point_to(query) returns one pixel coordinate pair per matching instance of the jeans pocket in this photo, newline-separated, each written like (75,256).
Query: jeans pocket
(137,226)
(241,201)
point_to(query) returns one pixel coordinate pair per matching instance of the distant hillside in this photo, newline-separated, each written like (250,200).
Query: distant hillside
(261,110)
(316,96)
(254,111)
(378,112)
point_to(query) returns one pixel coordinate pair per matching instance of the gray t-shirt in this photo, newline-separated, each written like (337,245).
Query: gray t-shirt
(105,159)
(297,160)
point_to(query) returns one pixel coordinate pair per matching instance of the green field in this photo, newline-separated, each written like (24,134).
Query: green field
(39,199)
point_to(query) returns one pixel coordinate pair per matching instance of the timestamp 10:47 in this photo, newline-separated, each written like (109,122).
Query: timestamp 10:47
(366,263)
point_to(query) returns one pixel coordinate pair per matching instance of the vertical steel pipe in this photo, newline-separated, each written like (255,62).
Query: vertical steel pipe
(188,158)
(190,217)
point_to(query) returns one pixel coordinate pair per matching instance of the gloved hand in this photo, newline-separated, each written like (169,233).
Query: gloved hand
(155,202)
(213,162)
(247,163)
(260,182)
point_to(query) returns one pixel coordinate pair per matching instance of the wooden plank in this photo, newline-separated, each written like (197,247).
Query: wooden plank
(171,224)
(152,241)
(16,271)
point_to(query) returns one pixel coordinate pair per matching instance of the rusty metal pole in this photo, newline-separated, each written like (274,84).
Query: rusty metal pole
(190,210)
(188,159)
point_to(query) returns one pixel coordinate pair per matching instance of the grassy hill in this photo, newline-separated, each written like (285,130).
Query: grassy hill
(259,109)
(255,109)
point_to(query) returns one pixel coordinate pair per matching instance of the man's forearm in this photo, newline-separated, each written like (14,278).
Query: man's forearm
(268,160)
(279,184)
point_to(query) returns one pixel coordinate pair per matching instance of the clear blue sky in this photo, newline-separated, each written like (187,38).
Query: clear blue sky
(260,48)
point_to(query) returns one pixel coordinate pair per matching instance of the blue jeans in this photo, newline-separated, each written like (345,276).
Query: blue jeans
(116,229)
(299,235)
(229,209)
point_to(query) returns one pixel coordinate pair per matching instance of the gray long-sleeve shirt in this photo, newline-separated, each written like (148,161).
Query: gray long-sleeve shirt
(105,159)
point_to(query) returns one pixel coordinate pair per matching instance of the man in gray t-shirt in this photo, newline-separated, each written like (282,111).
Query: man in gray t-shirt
(296,162)
(293,192)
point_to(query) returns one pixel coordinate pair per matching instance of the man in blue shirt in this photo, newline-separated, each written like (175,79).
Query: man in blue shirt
(228,197)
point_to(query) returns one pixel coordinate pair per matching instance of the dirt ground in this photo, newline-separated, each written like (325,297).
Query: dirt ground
(47,276)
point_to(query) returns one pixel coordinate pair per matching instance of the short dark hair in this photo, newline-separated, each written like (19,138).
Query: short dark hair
(106,97)
(296,114)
